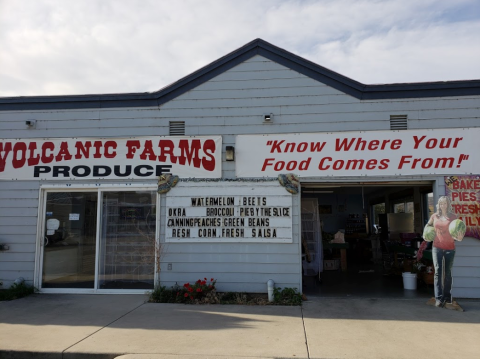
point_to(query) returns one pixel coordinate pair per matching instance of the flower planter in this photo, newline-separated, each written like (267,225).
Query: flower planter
(409,281)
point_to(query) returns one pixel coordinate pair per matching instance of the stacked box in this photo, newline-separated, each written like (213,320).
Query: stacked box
(331,264)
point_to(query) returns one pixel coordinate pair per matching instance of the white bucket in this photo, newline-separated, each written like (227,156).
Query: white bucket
(409,281)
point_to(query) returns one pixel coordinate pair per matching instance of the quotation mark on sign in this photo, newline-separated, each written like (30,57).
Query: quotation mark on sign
(462,158)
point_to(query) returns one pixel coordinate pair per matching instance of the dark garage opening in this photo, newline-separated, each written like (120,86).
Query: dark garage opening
(381,225)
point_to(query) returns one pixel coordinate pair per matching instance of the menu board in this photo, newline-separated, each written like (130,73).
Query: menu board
(229,212)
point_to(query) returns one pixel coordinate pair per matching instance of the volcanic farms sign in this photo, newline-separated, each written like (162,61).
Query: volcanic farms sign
(110,158)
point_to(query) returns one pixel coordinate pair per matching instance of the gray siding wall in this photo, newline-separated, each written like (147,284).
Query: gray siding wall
(18,230)
(466,269)
(230,104)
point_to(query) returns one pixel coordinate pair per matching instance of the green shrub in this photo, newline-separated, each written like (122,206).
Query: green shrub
(204,292)
(163,295)
(16,291)
(287,296)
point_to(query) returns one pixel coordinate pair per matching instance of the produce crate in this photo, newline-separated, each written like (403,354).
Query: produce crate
(428,277)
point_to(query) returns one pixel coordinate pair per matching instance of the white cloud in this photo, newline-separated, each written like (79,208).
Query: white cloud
(106,46)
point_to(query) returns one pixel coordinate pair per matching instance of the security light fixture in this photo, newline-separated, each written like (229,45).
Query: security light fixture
(230,153)
(30,123)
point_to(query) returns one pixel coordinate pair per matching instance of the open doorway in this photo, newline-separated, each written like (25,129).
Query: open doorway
(368,235)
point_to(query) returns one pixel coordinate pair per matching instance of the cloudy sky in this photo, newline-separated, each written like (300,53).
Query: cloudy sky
(64,47)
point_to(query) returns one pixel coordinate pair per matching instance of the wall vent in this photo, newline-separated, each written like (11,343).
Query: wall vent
(177,128)
(398,122)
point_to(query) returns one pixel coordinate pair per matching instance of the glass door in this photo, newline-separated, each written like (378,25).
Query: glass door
(127,240)
(69,240)
(118,252)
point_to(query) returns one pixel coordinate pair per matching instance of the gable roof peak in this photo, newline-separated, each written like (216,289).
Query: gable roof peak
(255,47)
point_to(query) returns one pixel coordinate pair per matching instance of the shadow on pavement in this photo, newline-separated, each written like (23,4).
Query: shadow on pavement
(102,310)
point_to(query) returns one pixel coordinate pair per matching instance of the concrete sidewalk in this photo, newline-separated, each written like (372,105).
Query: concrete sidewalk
(125,326)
